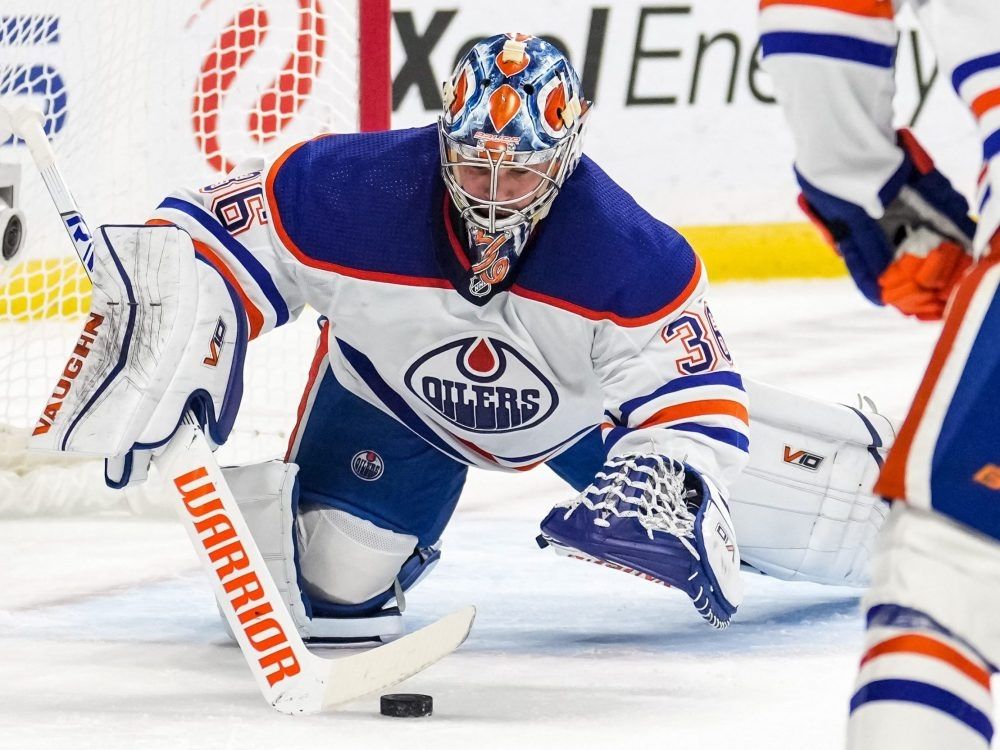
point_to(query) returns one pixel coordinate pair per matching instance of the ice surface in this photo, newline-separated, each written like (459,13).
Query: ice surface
(109,637)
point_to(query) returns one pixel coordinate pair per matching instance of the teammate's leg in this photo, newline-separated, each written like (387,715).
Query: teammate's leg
(924,681)
(901,228)
(932,638)
(832,64)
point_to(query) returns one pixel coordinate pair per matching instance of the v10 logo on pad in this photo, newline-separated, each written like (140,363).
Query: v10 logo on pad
(802,459)
(482,384)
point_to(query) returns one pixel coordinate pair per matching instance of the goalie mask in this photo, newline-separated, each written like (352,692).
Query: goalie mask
(510,134)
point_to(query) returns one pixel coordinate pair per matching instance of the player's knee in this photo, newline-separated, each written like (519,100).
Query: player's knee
(344,559)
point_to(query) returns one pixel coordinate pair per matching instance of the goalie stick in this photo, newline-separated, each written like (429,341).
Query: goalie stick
(292,679)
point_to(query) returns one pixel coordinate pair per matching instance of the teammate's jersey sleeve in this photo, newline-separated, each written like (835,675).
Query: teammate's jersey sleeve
(832,62)
(230,226)
(670,388)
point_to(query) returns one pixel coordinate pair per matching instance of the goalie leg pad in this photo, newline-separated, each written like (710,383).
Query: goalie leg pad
(341,577)
(803,507)
(345,559)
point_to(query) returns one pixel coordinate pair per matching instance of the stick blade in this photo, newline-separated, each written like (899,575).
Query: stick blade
(352,677)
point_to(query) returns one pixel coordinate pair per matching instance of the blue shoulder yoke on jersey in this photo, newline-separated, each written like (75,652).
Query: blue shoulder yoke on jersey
(601,255)
(369,205)
(361,204)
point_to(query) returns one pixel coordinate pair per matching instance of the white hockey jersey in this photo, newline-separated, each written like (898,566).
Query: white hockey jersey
(603,321)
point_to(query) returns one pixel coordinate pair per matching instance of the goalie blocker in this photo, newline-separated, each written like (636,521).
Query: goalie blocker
(154,345)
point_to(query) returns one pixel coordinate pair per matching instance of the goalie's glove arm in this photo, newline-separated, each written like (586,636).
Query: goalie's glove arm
(650,515)
(670,388)
(230,228)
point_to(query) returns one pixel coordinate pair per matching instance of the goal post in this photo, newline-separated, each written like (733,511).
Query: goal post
(139,98)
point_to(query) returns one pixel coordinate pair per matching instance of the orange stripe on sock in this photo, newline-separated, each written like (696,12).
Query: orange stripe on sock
(868,8)
(705,408)
(922,645)
(985,101)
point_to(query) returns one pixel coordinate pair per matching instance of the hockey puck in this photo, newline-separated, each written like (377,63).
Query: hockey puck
(406,705)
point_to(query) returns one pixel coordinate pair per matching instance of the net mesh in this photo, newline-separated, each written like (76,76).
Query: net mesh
(140,98)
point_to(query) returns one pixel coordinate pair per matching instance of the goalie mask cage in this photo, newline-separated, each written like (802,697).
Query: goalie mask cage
(140,98)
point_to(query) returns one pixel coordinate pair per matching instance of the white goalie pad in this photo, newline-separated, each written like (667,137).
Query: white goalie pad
(331,562)
(264,492)
(164,333)
(803,508)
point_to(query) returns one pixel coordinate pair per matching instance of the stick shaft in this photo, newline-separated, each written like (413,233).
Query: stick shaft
(27,125)
(283,668)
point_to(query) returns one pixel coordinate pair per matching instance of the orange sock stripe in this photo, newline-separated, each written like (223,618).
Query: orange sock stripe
(923,645)
(705,408)
(985,101)
(868,8)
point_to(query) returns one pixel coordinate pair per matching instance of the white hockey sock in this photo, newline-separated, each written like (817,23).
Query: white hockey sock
(918,688)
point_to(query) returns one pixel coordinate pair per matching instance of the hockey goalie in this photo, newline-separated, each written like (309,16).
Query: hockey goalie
(489,297)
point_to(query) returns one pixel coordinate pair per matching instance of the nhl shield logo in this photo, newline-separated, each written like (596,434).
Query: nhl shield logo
(367,465)
(482,384)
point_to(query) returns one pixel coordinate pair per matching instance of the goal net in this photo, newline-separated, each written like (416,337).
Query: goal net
(139,98)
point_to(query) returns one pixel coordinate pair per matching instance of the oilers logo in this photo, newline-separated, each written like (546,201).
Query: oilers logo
(482,384)
(367,465)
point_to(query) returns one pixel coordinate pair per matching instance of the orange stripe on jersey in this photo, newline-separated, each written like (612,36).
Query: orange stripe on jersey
(923,645)
(254,316)
(653,317)
(318,357)
(892,481)
(490,457)
(985,101)
(707,408)
(869,8)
